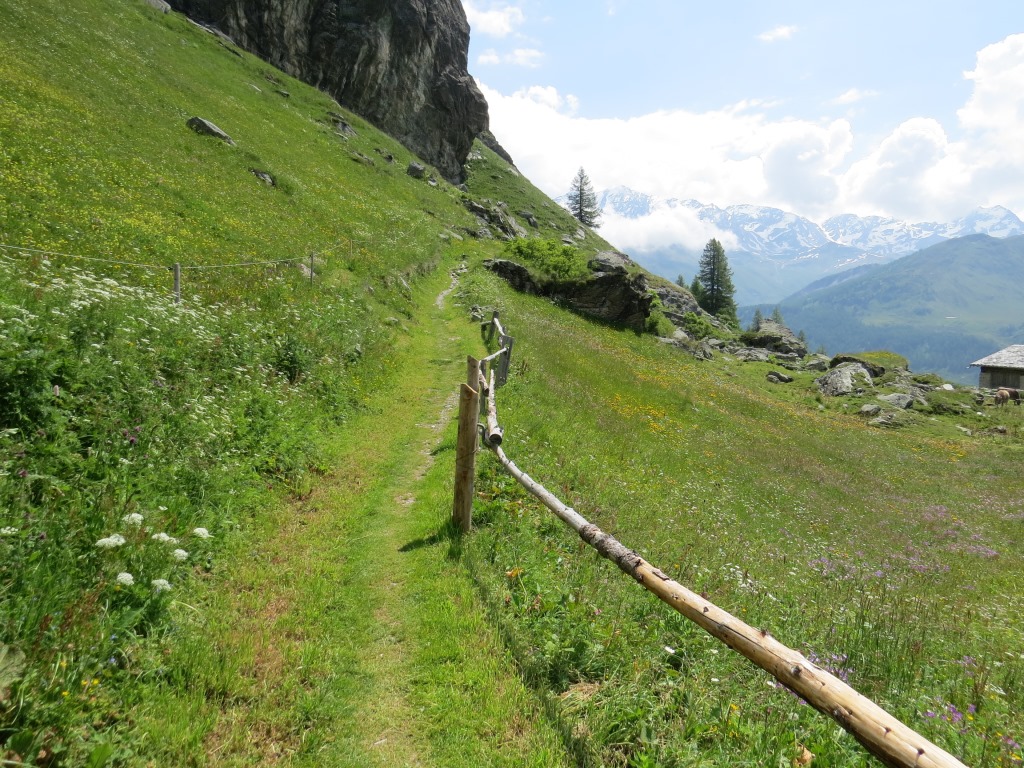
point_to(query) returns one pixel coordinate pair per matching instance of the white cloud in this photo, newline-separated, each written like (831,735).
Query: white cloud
(500,21)
(488,58)
(921,171)
(525,57)
(852,96)
(781,32)
(665,227)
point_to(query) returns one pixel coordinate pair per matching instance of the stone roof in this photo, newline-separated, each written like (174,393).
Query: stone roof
(1011,357)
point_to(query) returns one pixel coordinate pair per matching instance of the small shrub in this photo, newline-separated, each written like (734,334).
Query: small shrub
(555,260)
(658,324)
(697,326)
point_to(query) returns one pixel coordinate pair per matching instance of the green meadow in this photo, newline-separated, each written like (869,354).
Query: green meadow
(224,520)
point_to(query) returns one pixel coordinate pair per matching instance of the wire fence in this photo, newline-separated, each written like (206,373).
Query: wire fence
(177,268)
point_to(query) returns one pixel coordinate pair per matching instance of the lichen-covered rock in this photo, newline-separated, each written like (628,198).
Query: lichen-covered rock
(402,64)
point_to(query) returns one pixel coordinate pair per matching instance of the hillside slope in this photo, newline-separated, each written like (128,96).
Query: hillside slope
(942,308)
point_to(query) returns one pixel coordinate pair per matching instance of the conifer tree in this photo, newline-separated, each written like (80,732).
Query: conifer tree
(755,324)
(715,280)
(583,202)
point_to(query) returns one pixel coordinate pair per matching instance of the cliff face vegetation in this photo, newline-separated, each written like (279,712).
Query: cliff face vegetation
(401,64)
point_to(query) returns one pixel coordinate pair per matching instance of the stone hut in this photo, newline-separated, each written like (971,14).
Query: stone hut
(1005,368)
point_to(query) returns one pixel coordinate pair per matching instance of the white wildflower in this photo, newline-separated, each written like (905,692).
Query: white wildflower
(161,585)
(125,579)
(202,533)
(111,541)
(179,554)
(8,531)
(163,538)
(133,519)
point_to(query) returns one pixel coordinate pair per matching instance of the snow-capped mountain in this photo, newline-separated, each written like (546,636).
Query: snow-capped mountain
(773,252)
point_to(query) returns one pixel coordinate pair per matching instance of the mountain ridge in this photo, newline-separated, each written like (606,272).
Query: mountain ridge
(775,253)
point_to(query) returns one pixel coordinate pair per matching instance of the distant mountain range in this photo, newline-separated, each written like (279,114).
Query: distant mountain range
(942,308)
(774,253)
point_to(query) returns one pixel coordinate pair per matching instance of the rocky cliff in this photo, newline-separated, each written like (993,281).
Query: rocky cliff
(402,64)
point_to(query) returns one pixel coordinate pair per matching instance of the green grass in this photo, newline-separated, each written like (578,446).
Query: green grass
(890,557)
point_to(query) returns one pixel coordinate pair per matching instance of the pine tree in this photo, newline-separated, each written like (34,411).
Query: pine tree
(715,279)
(755,324)
(777,315)
(583,202)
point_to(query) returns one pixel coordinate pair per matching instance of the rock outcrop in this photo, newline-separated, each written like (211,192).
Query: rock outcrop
(776,337)
(609,293)
(402,64)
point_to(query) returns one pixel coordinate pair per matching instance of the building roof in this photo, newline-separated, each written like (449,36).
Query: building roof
(1011,357)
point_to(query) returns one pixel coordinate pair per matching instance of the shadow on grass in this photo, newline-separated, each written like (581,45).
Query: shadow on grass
(446,533)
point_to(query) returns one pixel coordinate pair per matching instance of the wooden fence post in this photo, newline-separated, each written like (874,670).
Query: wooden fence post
(311,257)
(490,333)
(505,361)
(465,450)
(177,282)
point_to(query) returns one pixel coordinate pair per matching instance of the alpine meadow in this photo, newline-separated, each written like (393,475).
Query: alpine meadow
(229,376)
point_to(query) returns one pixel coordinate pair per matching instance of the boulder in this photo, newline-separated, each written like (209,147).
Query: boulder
(775,377)
(264,176)
(609,262)
(529,218)
(752,355)
(777,338)
(416,170)
(204,127)
(899,399)
(871,409)
(842,380)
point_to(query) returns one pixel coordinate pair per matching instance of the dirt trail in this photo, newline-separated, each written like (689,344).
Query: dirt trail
(368,642)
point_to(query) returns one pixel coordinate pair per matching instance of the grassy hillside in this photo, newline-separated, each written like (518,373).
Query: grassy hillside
(223,522)
(942,308)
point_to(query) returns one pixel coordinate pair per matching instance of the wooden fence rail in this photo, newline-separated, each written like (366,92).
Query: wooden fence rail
(891,741)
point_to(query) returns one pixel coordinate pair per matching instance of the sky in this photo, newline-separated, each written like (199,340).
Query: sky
(906,109)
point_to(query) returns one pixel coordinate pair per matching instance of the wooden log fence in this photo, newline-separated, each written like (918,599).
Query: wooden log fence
(888,739)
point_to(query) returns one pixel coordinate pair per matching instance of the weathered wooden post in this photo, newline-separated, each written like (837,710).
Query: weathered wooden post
(466,445)
(177,282)
(490,332)
(506,360)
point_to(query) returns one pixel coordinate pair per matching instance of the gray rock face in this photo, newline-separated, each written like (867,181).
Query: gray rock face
(402,64)
(842,380)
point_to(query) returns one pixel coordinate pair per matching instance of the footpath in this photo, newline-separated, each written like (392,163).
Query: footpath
(364,639)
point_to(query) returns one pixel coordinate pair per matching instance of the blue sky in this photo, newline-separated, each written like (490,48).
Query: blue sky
(907,109)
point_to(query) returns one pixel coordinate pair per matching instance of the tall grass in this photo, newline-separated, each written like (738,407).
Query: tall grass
(887,558)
